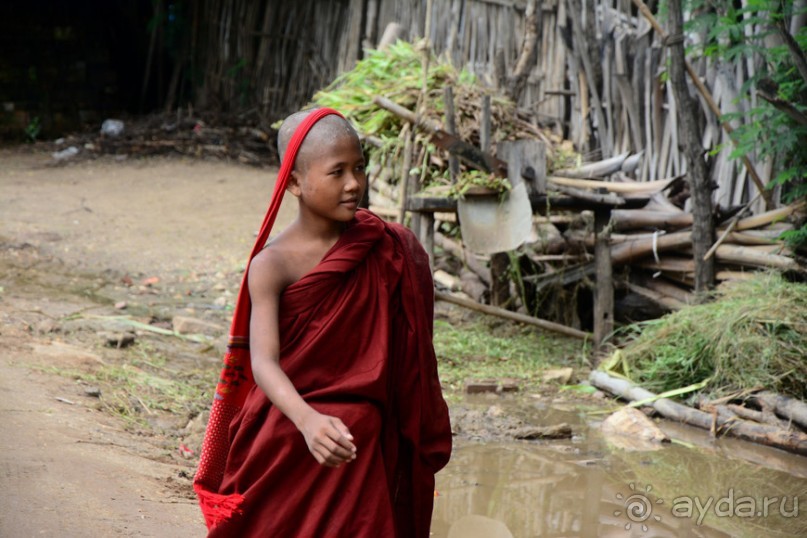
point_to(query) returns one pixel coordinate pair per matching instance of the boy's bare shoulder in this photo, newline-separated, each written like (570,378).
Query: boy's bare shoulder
(269,270)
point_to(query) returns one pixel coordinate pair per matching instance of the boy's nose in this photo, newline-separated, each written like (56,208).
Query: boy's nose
(353,183)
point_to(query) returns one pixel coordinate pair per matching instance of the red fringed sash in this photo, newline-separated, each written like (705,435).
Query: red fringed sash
(236,379)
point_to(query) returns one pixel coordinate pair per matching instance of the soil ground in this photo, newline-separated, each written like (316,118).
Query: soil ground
(74,240)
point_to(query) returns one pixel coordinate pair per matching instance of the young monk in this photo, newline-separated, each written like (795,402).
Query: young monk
(328,419)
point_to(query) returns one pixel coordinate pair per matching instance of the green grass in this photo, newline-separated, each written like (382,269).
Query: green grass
(475,351)
(754,334)
(145,385)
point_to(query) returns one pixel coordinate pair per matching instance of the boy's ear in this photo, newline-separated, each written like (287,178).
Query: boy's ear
(293,185)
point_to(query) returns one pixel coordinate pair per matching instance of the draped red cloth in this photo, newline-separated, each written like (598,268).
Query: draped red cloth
(356,342)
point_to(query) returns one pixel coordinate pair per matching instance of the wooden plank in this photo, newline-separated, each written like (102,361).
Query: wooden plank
(629,219)
(609,199)
(647,187)
(751,238)
(526,160)
(707,97)
(484,127)
(581,49)
(515,4)
(405,175)
(564,277)
(500,281)
(599,169)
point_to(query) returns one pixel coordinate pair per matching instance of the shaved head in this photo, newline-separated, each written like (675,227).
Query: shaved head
(326,130)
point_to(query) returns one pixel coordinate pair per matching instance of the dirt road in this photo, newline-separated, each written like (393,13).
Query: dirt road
(69,236)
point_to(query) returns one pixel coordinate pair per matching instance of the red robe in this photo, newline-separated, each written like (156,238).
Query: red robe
(356,342)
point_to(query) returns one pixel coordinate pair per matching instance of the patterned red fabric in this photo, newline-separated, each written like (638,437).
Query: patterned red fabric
(356,343)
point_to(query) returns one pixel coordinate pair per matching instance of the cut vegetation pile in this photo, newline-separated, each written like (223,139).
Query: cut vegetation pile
(753,335)
(396,73)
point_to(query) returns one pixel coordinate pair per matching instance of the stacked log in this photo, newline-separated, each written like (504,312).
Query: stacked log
(754,415)
(650,246)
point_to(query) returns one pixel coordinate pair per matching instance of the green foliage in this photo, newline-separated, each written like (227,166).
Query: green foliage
(735,34)
(396,73)
(796,237)
(476,178)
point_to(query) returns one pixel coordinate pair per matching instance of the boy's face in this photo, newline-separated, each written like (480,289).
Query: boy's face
(331,179)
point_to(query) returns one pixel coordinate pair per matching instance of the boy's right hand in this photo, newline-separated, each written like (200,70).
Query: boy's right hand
(328,439)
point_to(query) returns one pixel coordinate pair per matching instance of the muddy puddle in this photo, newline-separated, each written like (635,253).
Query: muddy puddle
(588,487)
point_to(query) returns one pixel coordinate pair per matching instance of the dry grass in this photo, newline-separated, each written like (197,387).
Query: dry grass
(753,334)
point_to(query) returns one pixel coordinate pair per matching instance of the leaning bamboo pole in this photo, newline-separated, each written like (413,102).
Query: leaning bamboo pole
(513,316)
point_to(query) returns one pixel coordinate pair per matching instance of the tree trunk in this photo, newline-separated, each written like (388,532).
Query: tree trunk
(703,228)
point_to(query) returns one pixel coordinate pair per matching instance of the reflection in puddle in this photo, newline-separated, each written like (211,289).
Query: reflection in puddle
(588,489)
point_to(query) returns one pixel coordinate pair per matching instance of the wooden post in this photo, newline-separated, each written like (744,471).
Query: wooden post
(484,129)
(407,165)
(427,235)
(499,68)
(500,285)
(392,33)
(415,222)
(604,296)
(451,128)
(499,261)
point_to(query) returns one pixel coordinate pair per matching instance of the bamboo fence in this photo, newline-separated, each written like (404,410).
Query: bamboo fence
(598,79)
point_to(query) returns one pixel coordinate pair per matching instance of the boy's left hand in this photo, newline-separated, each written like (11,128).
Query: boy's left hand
(328,439)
